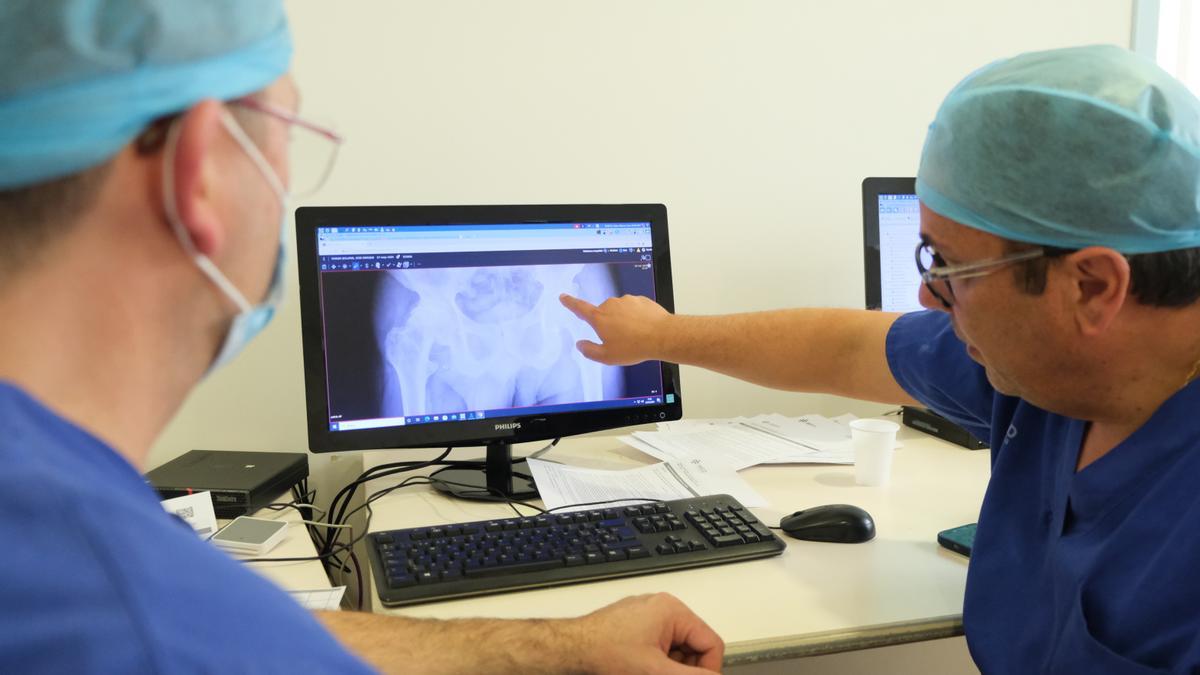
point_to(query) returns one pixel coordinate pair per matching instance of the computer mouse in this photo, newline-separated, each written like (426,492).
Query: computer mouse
(839,523)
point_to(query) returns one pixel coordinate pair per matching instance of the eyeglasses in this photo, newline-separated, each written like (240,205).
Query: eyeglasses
(312,148)
(937,274)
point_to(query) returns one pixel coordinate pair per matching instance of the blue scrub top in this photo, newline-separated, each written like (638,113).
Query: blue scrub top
(98,578)
(1096,571)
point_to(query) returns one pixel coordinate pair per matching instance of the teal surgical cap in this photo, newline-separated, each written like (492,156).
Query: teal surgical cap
(1087,146)
(79,79)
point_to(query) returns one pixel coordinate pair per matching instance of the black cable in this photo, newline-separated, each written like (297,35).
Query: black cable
(302,502)
(341,501)
(279,506)
(384,471)
(321,556)
(376,472)
(603,502)
(429,480)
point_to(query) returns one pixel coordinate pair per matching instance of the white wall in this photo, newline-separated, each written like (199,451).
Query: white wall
(754,121)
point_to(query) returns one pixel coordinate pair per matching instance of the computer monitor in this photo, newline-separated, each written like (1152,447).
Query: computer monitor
(891,230)
(432,326)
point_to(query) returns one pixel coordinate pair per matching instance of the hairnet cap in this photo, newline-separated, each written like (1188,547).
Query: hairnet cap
(1086,146)
(79,79)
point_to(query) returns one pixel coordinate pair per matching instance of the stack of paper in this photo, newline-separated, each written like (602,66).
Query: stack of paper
(699,458)
(569,488)
(743,442)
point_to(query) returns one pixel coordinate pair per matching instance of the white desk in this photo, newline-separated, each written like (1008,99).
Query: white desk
(814,599)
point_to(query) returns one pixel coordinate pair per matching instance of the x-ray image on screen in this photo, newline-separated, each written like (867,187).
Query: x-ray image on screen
(489,337)
(435,340)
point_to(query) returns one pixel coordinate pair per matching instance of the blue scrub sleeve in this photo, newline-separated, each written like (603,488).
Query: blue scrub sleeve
(931,364)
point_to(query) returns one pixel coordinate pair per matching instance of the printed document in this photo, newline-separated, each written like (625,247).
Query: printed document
(571,486)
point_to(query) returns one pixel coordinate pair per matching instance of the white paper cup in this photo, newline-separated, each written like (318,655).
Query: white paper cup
(874,444)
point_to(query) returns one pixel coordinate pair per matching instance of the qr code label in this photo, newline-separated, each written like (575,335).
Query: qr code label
(186,512)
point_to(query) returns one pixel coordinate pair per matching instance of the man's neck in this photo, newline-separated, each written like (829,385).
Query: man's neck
(1137,380)
(87,343)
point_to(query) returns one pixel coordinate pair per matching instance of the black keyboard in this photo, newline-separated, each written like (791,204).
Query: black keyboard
(425,564)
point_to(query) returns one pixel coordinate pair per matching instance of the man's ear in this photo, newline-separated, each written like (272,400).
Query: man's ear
(1100,280)
(196,147)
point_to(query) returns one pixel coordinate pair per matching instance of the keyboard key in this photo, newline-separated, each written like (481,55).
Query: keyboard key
(612,554)
(636,552)
(401,580)
(726,540)
(519,568)
(763,531)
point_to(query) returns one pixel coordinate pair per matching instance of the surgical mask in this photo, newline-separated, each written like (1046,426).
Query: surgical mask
(250,319)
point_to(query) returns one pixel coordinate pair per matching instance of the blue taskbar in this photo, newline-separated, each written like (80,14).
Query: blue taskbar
(464,416)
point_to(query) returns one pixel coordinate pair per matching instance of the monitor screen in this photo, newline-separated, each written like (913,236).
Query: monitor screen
(428,326)
(891,231)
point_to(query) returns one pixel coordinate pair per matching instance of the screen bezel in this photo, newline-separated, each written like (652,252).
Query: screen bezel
(466,433)
(871,189)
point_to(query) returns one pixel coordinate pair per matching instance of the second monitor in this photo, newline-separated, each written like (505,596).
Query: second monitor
(441,326)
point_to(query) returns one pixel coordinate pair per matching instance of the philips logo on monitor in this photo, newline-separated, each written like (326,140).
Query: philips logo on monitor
(507,427)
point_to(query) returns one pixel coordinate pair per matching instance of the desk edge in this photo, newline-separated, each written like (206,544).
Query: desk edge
(844,640)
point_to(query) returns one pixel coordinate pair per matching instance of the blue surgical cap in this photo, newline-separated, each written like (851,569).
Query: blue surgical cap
(1086,146)
(79,79)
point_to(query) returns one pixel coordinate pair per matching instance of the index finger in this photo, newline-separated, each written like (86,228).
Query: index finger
(580,308)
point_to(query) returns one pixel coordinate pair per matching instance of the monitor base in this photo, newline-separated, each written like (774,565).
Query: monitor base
(499,477)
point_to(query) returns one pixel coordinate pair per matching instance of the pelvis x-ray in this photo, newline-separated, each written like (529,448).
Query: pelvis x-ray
(463,339)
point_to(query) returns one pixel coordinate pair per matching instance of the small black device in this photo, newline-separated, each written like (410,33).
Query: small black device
(425,564)
(924,419)
(240,482)
(836,523)
(958,539)
(891,231)
(435,326)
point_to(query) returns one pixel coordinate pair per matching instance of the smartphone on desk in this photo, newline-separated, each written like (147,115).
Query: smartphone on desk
(958,539)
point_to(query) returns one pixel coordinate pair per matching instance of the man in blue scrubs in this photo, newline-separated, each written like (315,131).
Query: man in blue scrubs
(143,180)
(1060,251)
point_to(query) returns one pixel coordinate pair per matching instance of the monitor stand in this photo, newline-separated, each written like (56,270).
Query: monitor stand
(500,477)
